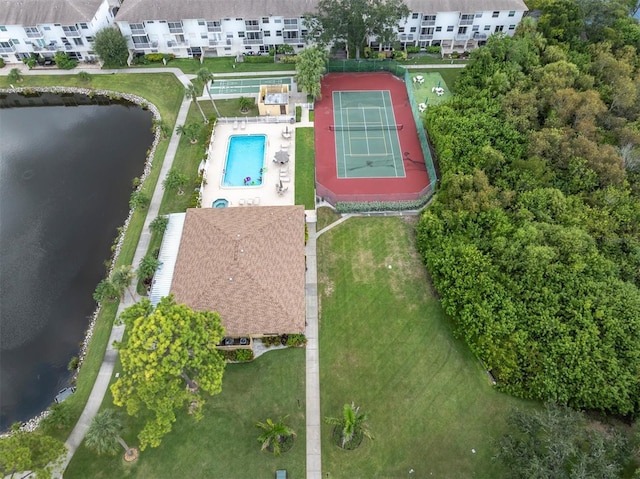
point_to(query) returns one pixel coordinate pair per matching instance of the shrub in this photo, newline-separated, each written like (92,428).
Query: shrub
(244,354)
(288,59)
(64,61)
(399,55)
(2,63)
(159,224)
(269,341)
(355,207)
(84,76)
(139,200)
(433,49)
(30,62)
(295,340)
(258,59)
(413,49)
(298,113)
(15,75)
(74,362)
(367,52)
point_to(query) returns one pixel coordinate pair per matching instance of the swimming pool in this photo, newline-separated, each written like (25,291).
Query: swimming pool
(245,160)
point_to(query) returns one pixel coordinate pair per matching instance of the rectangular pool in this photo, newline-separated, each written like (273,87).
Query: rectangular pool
(245,160)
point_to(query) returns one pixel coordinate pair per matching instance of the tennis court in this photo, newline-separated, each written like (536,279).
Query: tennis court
(245,85)
(366,134)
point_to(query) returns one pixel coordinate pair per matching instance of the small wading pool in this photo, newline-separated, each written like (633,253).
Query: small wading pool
(245,160)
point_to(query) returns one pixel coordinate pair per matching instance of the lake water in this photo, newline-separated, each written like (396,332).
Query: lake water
(65,180)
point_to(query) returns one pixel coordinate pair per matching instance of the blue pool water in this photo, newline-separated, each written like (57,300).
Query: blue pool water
(245,160)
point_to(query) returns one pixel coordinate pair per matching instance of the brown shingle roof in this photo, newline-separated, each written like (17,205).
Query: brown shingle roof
(247,264)
(34,12)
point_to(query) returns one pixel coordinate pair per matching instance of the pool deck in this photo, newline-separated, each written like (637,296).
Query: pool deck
(266,193)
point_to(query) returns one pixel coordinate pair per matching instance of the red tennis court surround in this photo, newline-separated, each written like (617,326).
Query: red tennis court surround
(334,189)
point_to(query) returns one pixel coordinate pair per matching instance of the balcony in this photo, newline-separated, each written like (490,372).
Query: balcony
(252,41)
(252,28)
(10,49)
(37,34)
(463,23)
(138,31)
(479,36)
(175,30)
(177,44)
(461,36)
(428,23)
(214,29)
(214,43)
(68,47)
(428,36)
(71,33)
(293,40)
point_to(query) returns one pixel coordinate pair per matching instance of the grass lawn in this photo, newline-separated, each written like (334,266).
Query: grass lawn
(224,444)
(386,344)
(220,65)
(326,216)
(305,168)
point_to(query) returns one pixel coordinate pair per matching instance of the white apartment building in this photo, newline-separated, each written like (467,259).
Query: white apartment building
(214,28)
(45,27)
(191,28)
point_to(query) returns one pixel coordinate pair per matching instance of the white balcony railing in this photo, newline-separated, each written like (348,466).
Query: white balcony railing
(252,41)
(428,23)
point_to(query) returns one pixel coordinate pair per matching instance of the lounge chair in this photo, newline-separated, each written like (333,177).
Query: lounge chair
(285,179)
(235,125)
(241,202)
(256,201)
(250,202)
(243,125)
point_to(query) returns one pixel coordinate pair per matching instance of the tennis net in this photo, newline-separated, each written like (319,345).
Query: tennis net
(397,127)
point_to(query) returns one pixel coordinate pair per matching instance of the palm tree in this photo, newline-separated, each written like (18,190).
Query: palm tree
(122,278)
(205,76)
(175,180)
(191,131)
(352,424)
(190,92)
(274,435)
(245,103)
(103,435)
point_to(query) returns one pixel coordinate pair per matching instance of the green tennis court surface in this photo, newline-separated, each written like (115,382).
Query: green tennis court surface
(245,85)
(367,143)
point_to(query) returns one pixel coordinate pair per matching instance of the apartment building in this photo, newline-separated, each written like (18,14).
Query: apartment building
(45,27)
(200,28)
(193,28)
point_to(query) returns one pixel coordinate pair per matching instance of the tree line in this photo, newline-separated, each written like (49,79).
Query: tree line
(533,240)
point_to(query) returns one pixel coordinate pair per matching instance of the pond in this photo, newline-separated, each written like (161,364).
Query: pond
(65,180)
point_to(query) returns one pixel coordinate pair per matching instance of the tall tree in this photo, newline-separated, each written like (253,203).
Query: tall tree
(169,361)
(558,442)
(29,451)
(111,47)
(191,93)
(122,277)
(104,435)
(356,21)
(205,76)
(274,435)
(351,426)
(310,66)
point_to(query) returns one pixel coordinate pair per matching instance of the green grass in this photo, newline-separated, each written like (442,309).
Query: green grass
(220,65)
(326,216)
(386,344)
(305,168)
(312,115)
(224,444)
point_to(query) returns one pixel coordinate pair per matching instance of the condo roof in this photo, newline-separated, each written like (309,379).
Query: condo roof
(36,12)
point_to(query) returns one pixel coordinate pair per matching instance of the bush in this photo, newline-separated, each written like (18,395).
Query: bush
(356,207)
(295,340)
(434,50)
(74,362)
(63,61)
(238,355)
(298,113)
(270,341)
(399,55)
(2,63)
(413,49)
(288,59)
(258,59)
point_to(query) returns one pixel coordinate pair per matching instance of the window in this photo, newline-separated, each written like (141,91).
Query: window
(267,33)
(478,14)
(70,30)
(499,28)
(512,27)
(278,33)
(438,29)
(3,28)
(475,28)
(238,19)
(450,28)
(204,36)
(412,29)
(202,23)
(137,29)
(265,19)
(512,13)
(495,14)
(78,41)
(32,32)
(240,34)
(175,27)
(89,39)
(151,21)
(84,26)
(15,41)
(46,28)
(487,28)
(400,29)
(213,27)
(462,30)
(163,21)
(278,20)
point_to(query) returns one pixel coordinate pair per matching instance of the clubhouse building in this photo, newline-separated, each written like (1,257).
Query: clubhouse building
(210,28)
